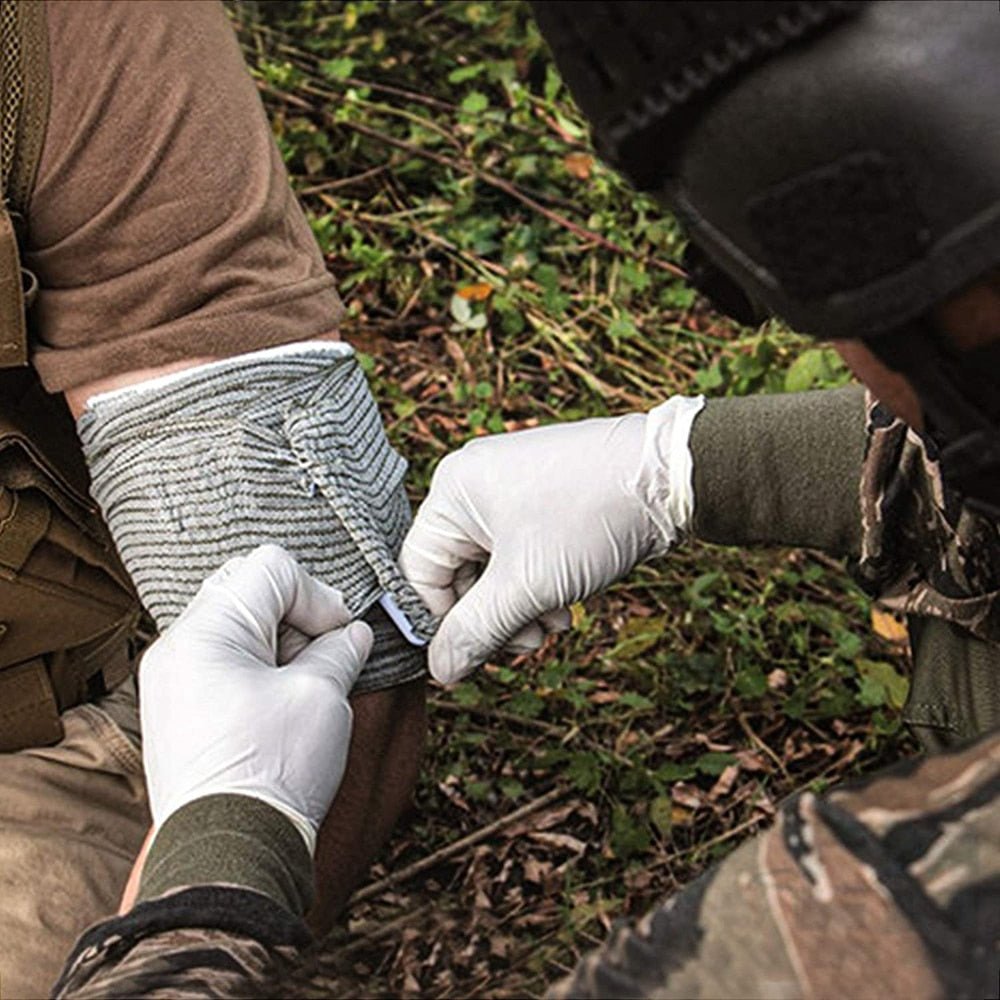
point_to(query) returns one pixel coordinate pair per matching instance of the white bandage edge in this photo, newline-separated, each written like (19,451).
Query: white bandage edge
(665,482)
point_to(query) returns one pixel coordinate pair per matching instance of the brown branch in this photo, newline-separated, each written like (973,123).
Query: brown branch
(372,931)
(341,182)
(511,189)
(499,715)
(760,744)
(450,850)
(464,166)
(735,831)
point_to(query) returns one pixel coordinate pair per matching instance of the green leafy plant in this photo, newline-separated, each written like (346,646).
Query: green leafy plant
(498,276)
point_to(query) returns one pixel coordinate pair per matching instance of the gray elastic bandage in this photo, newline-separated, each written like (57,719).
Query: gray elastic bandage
(283,446)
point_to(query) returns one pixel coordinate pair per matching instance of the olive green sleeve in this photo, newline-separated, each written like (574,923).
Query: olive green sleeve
(231,840)
(955,690)
(780,470)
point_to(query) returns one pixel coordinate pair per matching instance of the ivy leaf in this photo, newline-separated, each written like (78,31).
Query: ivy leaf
(337,69)
(751,682)
(464,73)
(632,699)
(629,836)
(806,370)
(637,636)
(881,685)
(714,763)
(661,813)
(475,102)
(467,695)
(584,770)
(621,328)
(670,772)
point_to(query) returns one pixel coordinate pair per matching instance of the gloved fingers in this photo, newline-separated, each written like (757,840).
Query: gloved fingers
(527,640)
(532,636)
(466,576)
(481,622)
(291,642)
(440,600)
(557,620)
(269,586)
(338,656)
(435,556)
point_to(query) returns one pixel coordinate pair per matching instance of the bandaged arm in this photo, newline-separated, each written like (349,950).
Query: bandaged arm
(284,445)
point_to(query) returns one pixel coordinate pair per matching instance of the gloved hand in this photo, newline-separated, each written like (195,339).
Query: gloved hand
(556,514)
(219,715)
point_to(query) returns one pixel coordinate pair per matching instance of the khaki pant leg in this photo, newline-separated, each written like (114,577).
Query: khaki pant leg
(72,819)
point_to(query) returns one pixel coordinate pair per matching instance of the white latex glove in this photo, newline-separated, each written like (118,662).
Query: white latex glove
(219,715)
(555,514)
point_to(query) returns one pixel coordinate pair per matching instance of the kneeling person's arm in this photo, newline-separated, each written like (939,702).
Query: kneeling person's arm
(245,743)
(780,470)
(221,907)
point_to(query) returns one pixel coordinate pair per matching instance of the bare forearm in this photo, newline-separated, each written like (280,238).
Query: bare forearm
(390,729)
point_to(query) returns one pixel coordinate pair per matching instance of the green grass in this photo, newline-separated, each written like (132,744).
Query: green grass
(498,277)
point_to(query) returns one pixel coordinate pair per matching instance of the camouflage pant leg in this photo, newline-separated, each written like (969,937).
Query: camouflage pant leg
(198,941)
(890,888)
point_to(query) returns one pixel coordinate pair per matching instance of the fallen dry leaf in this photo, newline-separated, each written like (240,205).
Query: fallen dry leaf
(479,292)
(887,626)
(579,165)
(752,760)
(535,870)
(605,697)
(544,820)
(777,679)
(679,816)
(687,795)
(724,784)
(560,840)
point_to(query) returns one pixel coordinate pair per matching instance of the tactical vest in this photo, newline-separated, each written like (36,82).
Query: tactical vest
(70,623)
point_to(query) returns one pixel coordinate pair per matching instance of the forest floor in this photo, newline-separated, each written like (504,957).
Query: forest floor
(497,276)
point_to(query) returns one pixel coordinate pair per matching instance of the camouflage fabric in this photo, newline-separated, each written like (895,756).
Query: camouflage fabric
(890,888)
(211,940)
(923,552)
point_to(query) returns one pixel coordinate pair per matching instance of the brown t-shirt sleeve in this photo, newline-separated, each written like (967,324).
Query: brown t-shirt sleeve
(162,225)
(781,470)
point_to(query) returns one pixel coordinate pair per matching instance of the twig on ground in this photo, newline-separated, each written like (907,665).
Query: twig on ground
(486,177)
(378,930)
(735,831)
(450,850)
(342,182)
(760,744)
(501,716)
